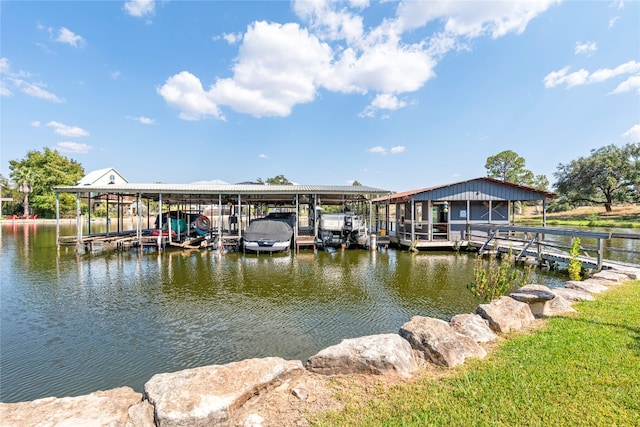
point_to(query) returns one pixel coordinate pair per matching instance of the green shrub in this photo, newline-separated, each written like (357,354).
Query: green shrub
(498,277)
(575,266)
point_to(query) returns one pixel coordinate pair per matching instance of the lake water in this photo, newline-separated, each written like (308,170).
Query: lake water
(72,325)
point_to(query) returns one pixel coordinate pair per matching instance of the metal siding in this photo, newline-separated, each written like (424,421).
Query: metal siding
(477,190)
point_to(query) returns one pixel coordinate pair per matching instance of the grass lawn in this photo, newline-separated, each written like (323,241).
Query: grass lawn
(579,370)
(625,216)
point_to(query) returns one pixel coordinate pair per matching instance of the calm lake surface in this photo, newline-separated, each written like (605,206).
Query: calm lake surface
(72,325)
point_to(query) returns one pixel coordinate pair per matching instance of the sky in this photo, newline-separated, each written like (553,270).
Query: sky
(398,95)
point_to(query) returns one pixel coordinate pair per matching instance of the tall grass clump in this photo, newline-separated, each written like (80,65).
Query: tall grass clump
(499,276)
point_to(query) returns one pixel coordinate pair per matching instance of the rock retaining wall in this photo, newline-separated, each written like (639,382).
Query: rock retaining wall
(219,395)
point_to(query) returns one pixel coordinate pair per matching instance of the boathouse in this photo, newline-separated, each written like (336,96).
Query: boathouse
(442,216)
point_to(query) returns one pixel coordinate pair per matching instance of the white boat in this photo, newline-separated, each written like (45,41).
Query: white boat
(337,229)
(266,235)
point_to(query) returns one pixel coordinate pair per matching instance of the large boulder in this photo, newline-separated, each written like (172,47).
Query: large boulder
(208,395)
(573,295)
(101,408)
(440,343)
(506,314)
(473,326)
(375,354)
(611,275)
(587,286)
(542,301)
(631,272)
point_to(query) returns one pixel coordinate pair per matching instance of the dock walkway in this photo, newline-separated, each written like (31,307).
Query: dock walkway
(529,242)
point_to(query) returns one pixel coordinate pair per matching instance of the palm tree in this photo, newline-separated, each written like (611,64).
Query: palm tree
(23,177)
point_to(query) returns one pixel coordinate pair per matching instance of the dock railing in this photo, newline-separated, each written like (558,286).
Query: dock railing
(527,241)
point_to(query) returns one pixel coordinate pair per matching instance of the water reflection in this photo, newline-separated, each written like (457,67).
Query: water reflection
(72,325)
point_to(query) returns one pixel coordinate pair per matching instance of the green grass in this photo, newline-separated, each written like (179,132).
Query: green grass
(580,370)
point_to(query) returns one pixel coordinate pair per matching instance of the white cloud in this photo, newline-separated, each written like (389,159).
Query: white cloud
(617,4)
(139,8)
(4,66)
(36,124)
(232,38)
(377,150)
(398,149)
(383,102)
(37,90)
(18,80)
(69,131)
(613,21)
(142,120)
(73,147)
(629,85)
(263,156)
(582,76)
(585,48)
(633,134)
(4,91)
(184,90)
(64,35)
(279,66)
(116,74)
(473,19)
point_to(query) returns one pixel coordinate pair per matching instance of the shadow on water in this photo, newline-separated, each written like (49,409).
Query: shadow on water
(72,325)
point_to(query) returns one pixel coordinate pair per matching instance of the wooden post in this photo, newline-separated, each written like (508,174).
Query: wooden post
(58,220)
(600,254)
(413,223)
(159,221)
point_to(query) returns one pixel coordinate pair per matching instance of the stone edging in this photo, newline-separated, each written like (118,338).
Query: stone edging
(215,395)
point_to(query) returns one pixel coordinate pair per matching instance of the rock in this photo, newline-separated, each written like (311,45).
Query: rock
(375,354)
(532,294)
(591,287)
(301,393)
(439,342)
(101,408)
(208,395)
(630,272)
(573,295)
(141,415)
(473,326)
(253,420)
(612,276)
(542,302)
(506,314)
(603,282)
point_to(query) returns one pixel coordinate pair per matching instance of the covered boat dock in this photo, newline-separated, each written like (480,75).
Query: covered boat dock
(227,208)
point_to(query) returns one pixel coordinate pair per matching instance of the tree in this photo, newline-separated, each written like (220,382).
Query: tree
(605,177)
(634,171)
(23,177)
(278,180)
(510,167)
(356,183)
(43,171)
(506,166)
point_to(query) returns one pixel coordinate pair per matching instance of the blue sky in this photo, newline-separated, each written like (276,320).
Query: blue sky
(397,95)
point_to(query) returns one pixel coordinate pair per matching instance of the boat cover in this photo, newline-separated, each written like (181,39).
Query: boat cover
(265,229)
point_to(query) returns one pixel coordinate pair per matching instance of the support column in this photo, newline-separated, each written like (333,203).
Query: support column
(58,220)
(159,222)
(413,222)
(78,222)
